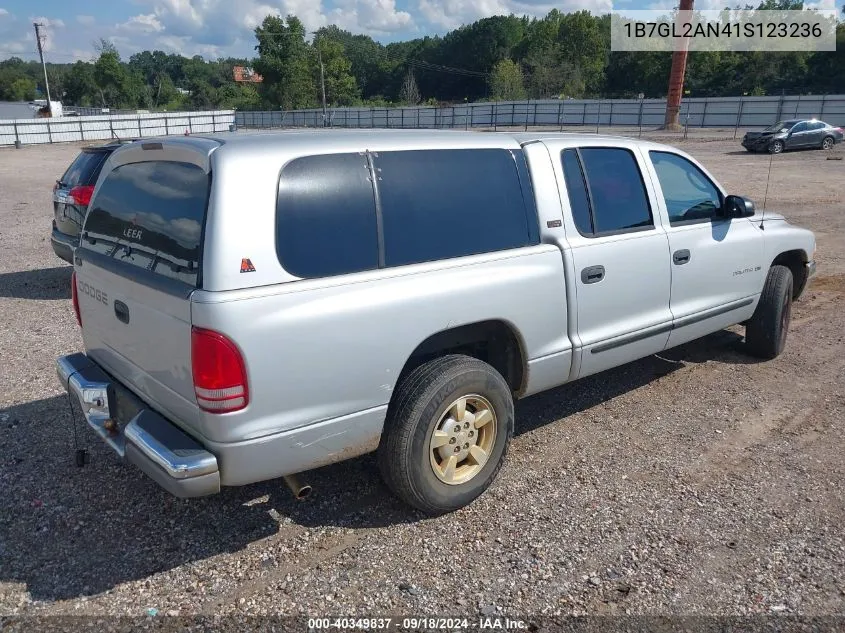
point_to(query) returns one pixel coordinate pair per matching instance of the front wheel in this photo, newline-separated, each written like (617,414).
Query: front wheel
(446,433)
(765,334)
(776,147)
(828,142)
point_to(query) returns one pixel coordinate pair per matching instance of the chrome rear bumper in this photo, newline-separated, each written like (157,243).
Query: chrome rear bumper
(172,458)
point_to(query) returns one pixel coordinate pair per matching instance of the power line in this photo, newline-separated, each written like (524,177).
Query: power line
(446,69)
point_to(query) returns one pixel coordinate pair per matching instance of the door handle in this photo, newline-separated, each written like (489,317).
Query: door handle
(592,274)
(681,257)
(121,311)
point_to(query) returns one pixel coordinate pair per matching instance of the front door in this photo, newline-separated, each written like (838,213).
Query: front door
(717,264)
(801,135)
(620,255)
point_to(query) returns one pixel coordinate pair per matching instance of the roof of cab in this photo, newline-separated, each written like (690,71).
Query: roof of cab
(384,139)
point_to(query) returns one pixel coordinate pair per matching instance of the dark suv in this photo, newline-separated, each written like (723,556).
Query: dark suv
(72,193)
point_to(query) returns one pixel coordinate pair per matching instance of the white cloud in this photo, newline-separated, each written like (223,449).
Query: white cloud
(821,5)
(220,21)
(48,32)
(184,45)
(217,25)
(370,16)
(450,14)
(18,46)
(145,23)
(86,20)
(48,23)
(3,11)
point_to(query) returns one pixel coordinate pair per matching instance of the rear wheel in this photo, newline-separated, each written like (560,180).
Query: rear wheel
(828,142)
(765,334)
(775,147)
(446,434)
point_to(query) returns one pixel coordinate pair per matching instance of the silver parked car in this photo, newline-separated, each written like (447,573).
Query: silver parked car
(257,305)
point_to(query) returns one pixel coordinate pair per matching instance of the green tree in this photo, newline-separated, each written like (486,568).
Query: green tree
(367,58)
(583,46)
(410,92)
(152,68)
(80,87)
(22,89)
(203,96)
(232,96)
(116,86)
(285,63)
(341,87)
(507,82)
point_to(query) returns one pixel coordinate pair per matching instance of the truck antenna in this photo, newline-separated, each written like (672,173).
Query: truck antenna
(766,195)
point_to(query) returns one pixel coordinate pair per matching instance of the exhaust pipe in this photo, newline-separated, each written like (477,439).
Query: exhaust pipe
(299,489)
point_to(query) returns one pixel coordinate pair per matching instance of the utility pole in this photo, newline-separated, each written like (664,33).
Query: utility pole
(38,26)
(676,77)
(322,84)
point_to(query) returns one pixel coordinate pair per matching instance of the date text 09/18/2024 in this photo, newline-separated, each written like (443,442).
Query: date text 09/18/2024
(481,623)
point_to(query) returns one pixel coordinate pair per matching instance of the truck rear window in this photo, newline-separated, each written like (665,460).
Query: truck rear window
(151,215)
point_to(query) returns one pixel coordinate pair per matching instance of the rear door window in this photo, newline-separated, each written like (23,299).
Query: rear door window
(440,204)
(85,169)
(151,215)
(615,190)
(577,189)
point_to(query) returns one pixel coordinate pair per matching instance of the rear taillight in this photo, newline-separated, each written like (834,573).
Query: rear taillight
(75,295)
(219,372)
(81,195)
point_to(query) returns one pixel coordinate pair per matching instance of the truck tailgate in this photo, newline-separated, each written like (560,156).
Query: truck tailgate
(137,264)
(141,335)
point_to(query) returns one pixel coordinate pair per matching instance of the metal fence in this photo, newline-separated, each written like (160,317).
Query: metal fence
(88,128)
(714,112)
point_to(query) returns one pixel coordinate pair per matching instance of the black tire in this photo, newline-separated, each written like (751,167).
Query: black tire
(776,147)
(828,142)
(421,400)
(765,334)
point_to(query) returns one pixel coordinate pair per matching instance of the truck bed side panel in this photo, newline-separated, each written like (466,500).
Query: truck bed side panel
(321,349)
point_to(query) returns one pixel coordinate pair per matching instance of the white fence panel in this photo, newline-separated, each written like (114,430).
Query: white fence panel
(104,127)
(723,112)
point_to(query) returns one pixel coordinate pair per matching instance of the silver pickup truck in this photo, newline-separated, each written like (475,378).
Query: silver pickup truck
(258,305)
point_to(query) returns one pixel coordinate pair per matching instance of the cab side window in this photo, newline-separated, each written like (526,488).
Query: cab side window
(689,194)
(606,191)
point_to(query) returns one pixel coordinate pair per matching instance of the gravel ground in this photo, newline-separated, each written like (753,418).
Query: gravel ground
(696,482)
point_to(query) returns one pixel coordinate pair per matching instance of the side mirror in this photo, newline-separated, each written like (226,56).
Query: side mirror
(738,207)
